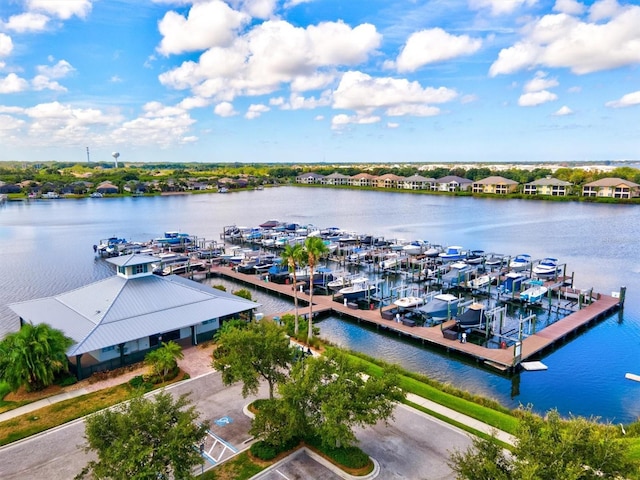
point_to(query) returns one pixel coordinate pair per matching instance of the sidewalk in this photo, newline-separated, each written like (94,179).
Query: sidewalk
(197,362)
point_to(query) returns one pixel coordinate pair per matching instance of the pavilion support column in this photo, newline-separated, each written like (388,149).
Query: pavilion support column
(79,366)
(194,335)
(121,348)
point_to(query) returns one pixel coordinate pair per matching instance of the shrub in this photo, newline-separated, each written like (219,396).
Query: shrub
(67,381)
(349,457)
(220,287)
(243,293)
(137,381)
(263,451)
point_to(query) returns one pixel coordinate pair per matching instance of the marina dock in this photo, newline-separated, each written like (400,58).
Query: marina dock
(503,359)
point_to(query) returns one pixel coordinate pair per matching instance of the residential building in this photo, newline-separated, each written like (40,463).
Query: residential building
(417,182)
(309,177)
(452,183)
(389,180)
(363,180)
(612,188)
(495,185)
(548,186)
(335,178)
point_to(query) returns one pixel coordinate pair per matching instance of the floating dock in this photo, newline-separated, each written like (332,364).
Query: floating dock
(504,359)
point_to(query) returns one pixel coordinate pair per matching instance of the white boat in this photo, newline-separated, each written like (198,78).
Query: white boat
(452,254)
(481,281)
(358,290)
(547,268)
(415,248)
(442,306)
(343,281)
(534,293)
(96,195)
(392,260)
(408,302)
(520,262)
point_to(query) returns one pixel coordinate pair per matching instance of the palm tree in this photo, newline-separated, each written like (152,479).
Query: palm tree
(294,257)
(164,359)
(33,356)
(315,248)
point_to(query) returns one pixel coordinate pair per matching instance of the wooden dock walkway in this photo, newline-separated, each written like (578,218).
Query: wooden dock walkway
(503,359)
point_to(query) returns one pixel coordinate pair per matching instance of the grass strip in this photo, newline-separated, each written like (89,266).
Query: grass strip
(62,412)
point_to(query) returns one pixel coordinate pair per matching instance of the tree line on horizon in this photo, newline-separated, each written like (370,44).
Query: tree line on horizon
(60,174)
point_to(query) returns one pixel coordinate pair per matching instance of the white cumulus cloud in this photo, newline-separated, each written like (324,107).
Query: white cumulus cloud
(533,99)
(255,110)
(564,41)
(627,100)
(563,111)
(224,109)
(434,45)
(207,25)
(361,92)
(63,9)
(26,22)
(59,70)
(540,82)
(12,83)
(572,7)
(6,45)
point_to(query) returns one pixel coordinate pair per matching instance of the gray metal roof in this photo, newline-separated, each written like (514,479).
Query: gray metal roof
(117,310)
(131,260)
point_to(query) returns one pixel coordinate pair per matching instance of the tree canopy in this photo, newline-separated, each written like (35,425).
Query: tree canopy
(327,397)
(33,356)
(247,354)
(146,438)
(549,448)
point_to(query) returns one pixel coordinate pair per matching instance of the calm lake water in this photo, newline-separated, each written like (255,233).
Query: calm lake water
(46,248)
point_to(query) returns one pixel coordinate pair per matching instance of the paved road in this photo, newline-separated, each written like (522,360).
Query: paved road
(58,454)
(414,446)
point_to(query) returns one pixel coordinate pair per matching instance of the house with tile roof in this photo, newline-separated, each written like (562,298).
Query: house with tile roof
(495,185)
(417,182)
(309,178)
(548,186)
(612,188)
(118,320)
(452,183)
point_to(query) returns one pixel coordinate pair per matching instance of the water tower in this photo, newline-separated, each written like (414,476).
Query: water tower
(115,155)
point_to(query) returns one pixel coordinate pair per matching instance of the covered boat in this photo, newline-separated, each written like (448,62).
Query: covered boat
(442,306)
(474,317)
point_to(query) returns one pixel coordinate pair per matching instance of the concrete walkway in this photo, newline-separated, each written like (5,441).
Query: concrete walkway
(197,362)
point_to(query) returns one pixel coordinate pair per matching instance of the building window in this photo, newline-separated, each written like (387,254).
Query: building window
(109,349)
(139,269)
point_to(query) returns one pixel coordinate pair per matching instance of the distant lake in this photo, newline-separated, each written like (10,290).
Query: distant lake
(46,248)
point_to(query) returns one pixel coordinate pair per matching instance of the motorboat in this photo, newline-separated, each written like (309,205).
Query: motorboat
(547,268)
(481,281)
(459,273)
(475,257)
(269,224)
(452,254)
(494,261)
(408,302)
(415,248)
(473,317)
(520,262)
(358,289)
(391,261)
(443,306)
(535,292)
(513,282)
(343,281)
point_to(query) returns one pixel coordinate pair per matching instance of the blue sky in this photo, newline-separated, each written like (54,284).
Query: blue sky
(320,80)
